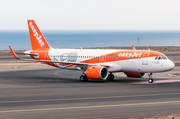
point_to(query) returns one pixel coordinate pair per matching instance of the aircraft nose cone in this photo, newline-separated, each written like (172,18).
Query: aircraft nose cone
(171,65)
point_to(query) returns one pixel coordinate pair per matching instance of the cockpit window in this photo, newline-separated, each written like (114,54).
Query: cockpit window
(160,58)
(165,58)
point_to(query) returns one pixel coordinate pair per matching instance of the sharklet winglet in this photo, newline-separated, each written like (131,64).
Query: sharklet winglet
(133,47)
(13,53)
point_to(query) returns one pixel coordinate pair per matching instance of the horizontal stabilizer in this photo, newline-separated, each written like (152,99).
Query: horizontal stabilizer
(47,61)
(22,53)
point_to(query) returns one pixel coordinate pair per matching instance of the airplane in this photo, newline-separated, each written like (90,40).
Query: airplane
(96,64)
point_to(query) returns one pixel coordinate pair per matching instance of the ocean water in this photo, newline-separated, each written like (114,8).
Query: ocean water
(19,40)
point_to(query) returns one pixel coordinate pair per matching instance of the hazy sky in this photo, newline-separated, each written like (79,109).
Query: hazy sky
(91,14)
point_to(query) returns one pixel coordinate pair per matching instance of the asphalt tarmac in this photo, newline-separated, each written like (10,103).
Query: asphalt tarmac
(56,93)
(52,93)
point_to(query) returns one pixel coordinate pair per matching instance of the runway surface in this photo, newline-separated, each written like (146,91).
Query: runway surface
(58,94)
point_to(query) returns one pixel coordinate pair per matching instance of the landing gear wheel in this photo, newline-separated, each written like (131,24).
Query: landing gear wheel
(110,77)
(83,78)
(150,80)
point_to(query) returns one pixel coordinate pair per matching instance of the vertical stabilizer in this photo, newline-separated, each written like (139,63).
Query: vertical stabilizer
(38,41)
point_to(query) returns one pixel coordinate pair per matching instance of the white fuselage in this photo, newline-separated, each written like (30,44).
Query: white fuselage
(115,61)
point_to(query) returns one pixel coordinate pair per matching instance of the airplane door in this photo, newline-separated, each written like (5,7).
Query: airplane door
(145,59)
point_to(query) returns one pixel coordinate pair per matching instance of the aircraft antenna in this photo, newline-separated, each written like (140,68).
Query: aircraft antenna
(138,41)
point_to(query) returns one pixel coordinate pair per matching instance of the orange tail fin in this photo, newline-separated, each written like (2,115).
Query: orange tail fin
(37,39)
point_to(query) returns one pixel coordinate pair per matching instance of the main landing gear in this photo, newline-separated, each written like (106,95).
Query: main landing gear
(150,80)
(110,77)
(83,78)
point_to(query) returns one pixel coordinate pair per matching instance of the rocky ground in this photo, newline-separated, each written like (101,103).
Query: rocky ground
(172,116)
(21,64)
(7,53)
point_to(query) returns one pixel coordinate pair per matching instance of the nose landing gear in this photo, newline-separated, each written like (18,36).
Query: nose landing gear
(150,80)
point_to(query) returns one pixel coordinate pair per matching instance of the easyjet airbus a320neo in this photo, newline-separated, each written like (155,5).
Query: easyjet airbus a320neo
(94,63)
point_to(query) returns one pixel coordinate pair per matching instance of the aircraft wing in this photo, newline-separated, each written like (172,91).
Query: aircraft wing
(22,53)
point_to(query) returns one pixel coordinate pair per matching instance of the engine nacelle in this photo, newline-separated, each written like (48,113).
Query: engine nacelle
(134,74)
(97,72)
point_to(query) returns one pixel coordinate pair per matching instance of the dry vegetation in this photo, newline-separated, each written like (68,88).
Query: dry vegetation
(172,116)
(7,53)
(21,64)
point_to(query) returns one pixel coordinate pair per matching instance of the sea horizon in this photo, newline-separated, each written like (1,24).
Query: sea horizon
(19,40)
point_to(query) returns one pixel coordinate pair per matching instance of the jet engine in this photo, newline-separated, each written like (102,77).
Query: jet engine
(97,72)
(134,74)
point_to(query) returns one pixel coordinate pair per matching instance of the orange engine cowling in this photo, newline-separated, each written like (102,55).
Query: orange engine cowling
(134,74)
(97,72)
